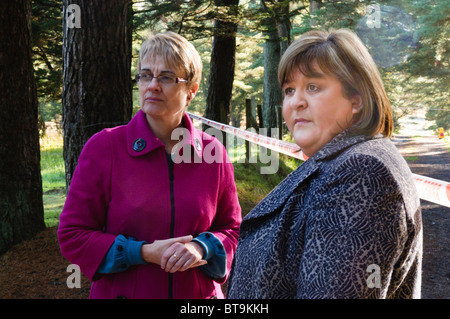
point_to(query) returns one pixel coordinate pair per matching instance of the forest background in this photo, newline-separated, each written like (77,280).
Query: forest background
(409,41)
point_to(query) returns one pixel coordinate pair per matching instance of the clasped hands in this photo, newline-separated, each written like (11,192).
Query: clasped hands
(174,254)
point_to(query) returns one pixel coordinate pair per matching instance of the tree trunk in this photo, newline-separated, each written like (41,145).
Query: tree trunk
(220,83)
(284,27)
(21,208)
(271,90)
(97,84)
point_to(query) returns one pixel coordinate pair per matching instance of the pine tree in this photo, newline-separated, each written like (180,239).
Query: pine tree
(97,72)
(21,207)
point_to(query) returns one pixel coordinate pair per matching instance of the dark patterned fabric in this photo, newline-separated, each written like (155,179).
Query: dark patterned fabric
(345,224)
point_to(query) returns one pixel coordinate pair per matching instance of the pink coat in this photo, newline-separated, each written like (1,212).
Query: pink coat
(122,187)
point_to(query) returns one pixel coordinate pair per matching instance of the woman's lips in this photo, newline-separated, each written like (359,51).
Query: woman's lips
(301,121)
(152,99)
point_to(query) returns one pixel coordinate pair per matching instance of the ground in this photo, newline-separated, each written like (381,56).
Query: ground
(427,155)
(36,269)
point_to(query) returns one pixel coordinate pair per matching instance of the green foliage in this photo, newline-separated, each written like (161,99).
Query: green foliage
(419,80)
(430,63)
(46,29)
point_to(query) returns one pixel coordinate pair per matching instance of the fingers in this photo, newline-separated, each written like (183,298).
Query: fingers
(175,258)
(182,239)
(180,257)
(176,263)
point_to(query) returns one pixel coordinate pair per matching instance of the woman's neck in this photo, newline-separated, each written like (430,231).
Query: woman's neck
(163,128)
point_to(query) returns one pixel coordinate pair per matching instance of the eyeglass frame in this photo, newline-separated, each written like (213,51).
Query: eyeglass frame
(138,77)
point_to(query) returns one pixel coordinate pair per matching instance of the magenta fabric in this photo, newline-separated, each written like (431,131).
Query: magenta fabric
(120,189)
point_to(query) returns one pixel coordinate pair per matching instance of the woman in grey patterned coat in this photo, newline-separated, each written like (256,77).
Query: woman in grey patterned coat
(346,223)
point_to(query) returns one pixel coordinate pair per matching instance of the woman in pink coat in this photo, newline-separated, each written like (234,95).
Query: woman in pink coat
(152,210)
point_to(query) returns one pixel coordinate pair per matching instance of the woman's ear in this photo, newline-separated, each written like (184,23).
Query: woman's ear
(356,103)
(192,91)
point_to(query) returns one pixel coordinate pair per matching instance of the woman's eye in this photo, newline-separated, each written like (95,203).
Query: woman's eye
(166,79)
(312,88)
(288,91)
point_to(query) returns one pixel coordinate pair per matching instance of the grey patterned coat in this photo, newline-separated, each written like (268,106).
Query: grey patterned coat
(345,224)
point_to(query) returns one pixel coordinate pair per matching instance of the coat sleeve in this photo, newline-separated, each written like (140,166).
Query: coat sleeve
(81,233)
(355,232)
(228,215)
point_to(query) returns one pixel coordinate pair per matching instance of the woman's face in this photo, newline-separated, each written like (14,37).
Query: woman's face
(315,110)
(159,100)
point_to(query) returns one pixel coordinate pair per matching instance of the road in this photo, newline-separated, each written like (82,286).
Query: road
(427,155)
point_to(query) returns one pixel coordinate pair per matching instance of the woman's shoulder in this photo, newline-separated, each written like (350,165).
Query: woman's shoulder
(378,150)
(376,159)
(102,140)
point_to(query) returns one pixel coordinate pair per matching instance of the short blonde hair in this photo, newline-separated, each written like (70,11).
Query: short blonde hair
(342,54)
(176,52)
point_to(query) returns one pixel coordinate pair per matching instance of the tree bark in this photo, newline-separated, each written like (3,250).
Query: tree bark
(220,82)
(284,27)
(21,207)
(271,89)
(97,83)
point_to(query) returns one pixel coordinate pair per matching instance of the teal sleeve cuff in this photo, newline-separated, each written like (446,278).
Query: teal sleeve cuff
(203,240)
(133,249)
(122,254)
(215,254)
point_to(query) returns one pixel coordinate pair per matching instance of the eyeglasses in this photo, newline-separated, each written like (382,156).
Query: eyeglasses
(162,79)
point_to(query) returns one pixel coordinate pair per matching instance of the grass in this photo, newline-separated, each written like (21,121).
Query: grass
(251,184)
(53,176)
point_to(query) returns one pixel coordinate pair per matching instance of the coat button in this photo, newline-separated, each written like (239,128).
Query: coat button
(120,248)
(139,144)
(198,146)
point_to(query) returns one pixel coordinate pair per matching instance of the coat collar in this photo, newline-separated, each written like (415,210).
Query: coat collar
(280,194)
(340,143)
(141,140)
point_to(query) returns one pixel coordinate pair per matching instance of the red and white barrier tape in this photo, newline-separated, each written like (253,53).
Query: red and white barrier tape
(274,144)
(429,189)
(433,190)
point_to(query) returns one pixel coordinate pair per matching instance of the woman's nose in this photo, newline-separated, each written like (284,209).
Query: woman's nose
(154,85)
(298,102)
(301,104)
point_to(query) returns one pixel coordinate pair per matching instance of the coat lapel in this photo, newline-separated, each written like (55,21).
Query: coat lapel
(278,196)
(141,140)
